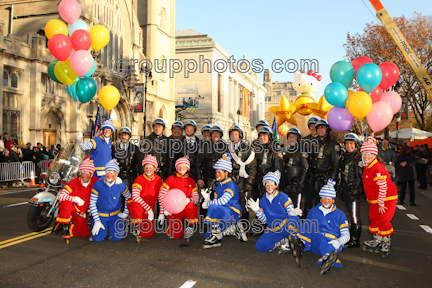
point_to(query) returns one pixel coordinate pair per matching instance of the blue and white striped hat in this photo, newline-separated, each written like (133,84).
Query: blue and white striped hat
(112,165)
(224,163)
(328,190)
(108,124)
(272,176)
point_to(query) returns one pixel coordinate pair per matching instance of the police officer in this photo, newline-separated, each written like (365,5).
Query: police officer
(296,167)
(323,163)
(244,166)
(311,125)
(175,146)
(351,186)
(126,154)
(205,132)
(258,125)
(191,144)
(156,144)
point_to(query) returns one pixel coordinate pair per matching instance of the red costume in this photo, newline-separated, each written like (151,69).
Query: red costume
(188,186)
(70,211)
(145,192)
(380,190)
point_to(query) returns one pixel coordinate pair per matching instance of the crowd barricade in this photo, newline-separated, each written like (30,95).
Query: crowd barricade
(44,165)
(16,171)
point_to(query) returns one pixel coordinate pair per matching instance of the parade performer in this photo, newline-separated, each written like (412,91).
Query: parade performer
(224,212)
(100,147)
(74,202)
(277,211)
(330,233)
(381,194)
(182,181)
(106,204)
(145,191)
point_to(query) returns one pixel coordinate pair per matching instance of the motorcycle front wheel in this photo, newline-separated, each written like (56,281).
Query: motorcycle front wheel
(36,219)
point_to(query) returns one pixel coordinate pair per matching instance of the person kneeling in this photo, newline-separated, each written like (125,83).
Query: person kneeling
(332,235)
(277,211)
(106,204)
(224,212)
(74,202)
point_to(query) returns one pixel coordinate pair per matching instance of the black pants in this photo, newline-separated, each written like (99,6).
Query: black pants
(354,211)
(402,189)
(422,176)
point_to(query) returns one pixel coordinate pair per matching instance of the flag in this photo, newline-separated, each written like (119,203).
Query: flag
(98,124)
(275,129)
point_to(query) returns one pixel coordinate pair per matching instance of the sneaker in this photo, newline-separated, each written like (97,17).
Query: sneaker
(239,232)
(212,241)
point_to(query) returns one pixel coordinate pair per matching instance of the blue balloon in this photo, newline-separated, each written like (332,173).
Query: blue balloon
(78,24)
(369,76)
(336,94)
(90,73)
(342,72)
(71,90)
(86,89)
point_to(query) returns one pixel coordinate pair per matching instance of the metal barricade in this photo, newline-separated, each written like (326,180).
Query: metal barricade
(44,165)
(26,168)
(16,171)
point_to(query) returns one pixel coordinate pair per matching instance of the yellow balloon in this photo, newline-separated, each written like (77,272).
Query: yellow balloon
(55,26)
(99,37)
(21,144)
(64,72)
(109,97)
(359,104)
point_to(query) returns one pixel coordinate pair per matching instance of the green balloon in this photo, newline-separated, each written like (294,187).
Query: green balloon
(342,72)
(85,89)
(51,71)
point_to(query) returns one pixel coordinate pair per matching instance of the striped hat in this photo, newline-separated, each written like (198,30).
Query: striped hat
(182,161)
(328,189)
(112,165)
(87,165)
(108,124)
(369,146)
(272,176)
(224,163)
(150,159)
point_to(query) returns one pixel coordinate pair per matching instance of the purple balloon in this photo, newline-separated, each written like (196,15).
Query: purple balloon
(340,119)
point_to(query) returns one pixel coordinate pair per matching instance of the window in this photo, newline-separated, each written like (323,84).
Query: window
(162,19)
(5,78)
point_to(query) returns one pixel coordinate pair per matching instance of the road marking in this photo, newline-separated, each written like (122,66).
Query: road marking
(17,204)
(24,238)
(401,207)
(188,284)
(412,216)
(426,228)
(35,189)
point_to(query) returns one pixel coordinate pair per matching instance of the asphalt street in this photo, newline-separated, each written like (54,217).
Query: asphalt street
(43,259)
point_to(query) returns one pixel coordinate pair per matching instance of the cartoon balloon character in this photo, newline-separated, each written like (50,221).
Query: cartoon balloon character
(305,84)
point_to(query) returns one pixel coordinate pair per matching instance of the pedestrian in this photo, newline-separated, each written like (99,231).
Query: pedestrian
(2,144)
(422,167)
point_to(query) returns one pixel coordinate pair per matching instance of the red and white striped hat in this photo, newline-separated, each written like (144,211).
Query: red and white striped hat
(150,159)
(369,146)
(183,161)
(87,165)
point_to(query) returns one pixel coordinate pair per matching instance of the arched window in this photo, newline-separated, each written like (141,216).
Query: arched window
(5,77)
(162,19)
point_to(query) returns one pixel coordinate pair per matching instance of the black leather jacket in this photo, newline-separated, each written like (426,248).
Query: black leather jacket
(158,147)
(351,185)
(296,168)
(209,153)
(243,151)
(128,161)
(325,163)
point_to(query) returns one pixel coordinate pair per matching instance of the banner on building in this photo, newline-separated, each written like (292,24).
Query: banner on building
(246,101)
(139,98)
(404,109)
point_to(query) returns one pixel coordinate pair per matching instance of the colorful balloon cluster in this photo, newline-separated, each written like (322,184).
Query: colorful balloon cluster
(369,101)
(75,64)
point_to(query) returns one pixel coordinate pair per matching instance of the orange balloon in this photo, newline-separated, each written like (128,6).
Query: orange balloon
(283,130)
(359,104)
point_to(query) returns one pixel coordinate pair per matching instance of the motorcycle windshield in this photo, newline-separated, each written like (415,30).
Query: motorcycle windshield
(67,161)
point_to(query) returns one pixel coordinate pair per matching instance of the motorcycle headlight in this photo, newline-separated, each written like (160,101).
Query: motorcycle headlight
(54,178)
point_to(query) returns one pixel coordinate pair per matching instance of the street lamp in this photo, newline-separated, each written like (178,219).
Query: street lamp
(238,117)
(148,76)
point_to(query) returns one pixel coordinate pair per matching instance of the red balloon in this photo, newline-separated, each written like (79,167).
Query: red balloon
(359,62)
(81,40)
(376,94)
(390,75)
(60,46)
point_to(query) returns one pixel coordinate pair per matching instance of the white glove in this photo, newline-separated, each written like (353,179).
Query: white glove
(205,204)
(335,244)
(80,136)
(150,215)
(187,201)
(161,218)
(254,205)
(96,227)
(295,212)
(118,181)
(205,194)
(167,213)
(122,215)
(78,200)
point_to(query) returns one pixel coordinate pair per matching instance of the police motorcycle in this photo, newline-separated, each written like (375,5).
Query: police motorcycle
(44,205)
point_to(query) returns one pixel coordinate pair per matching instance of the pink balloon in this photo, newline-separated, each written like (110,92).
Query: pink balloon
(376,94)
(390,75)
(73,51)
(393,99)
(380,116)
(69,10)
(82,62)
(80,40)
(359,62)
(60,46)
(175,201)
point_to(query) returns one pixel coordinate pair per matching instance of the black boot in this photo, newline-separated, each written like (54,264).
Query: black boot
(354,241)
